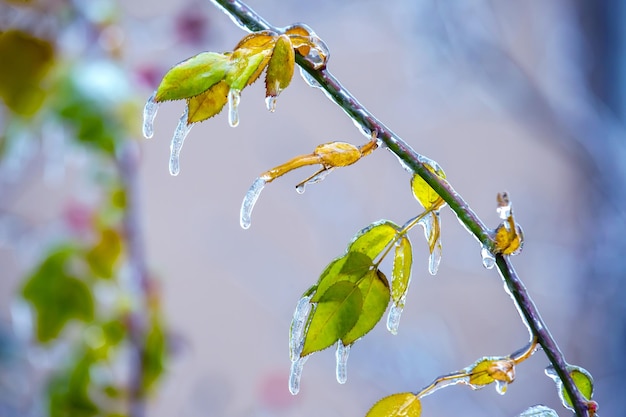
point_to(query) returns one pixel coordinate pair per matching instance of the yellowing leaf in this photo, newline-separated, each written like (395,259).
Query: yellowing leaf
(300,34)
(264,39)
(104,255)
(401,273)
(375,292)
(373,239)
(428,198)
(507,240)
(207,104)
(246,66)
(405,404)
(193,76)
(280,67)
(337,154)
(350,267)
(334,315)
(487,370)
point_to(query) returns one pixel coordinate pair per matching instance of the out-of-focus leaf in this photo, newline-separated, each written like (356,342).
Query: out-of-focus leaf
(375,292)
(193,76)
(280,67)
(373,239)
(24,62)
(207,104)
(404,404)
(401,273)
(539,411)
(104,255)
(155,353)
(427,197)
(350,267)
(69,392)
(57,296)
(336,312)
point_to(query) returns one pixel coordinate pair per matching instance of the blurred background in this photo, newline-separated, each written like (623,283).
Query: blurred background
(125,290)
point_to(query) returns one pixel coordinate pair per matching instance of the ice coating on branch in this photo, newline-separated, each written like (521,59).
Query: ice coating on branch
(295,374)
(234,96)
(181,132)
(300,188)
(489,261)
(149,113)
(319,53)
(428,222)
(239,23)
(298,323)
(270,103)
(393,317)
(342,361)
(245,217)
(308,78)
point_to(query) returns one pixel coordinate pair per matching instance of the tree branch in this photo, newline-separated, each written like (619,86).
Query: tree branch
(247,18)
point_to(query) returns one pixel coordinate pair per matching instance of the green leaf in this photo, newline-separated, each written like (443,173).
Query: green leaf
(373,239)
(280,67)
(350,267)
(104,255)
(57,296)
(69,392)
(193,76)
(25,61)
(334,315)
(155,353)
(582,379)
(375,292)
(207,104)
(401,273)
(246,66)
(404,404)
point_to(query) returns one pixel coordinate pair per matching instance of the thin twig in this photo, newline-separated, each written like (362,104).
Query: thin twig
(252,21)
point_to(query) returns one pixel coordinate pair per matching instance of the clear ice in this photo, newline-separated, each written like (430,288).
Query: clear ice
(489,261)
(245,218)
(435,256)
(298,323)
(342,361)
(234,96)
(501,387)
(539,411)
(311,82)
(313,180)
(149,113)
(182,130)
(504,211)
(320,53)
(295,374)
(393,317)
(270,103)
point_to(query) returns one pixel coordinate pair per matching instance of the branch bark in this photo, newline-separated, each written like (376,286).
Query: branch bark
(247,18)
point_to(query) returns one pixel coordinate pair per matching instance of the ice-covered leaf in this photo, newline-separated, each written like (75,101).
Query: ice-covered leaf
(336,312)
(207,104)
(337,154)
(350,267)
(102,257)
(427,197)
(246,66)
(280,67)
(375,292)
(373,239)
(404,404)
(401,273)
(193,76)
(539,411)
(432,231)
(508,240)
(264,39)
(57,296)
(582,379)
(299,34)
(488,370)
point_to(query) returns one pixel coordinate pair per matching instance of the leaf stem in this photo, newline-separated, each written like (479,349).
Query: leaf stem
(248,18)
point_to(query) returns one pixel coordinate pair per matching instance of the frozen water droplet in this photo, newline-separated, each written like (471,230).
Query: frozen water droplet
(393,317)
(501,387)
(489,261)
(300,188)
(298,323)
(319,53)
(149,113)
(295,374)
(342,362)
(234,96)
(182,130)
(428,223)
(314,179)
(245,217)
(435,259)
(308,78)
(270,103)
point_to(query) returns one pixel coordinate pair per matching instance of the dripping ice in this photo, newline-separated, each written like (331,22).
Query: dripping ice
(245,218)
(296,374)
(270,103)
(296,342)
(149,113)
(182,130)
(489,260)
(234,96)
(342,361)
(300,188)
(435,256)
(393,317)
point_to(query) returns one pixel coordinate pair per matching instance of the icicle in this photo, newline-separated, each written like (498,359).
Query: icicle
(182,130)
(249,201)
(342,361)
(270,103)
(393,317)
(295,374)
(489,261)
(298,323)
(501,386)
(149,113)
(234,96)
(428,223)
(435,258)
(300,188)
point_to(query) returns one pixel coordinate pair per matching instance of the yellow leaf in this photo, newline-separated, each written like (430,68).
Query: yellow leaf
(207,104)
(488,370)
(404,404)
(507,240)
(280,67)
(263,40)
(337,154)
(428,198)
(300,34)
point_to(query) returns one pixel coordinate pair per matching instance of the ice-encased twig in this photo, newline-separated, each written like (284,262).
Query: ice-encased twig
(182,130)
(245,218)
(342,361)
(149,113)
